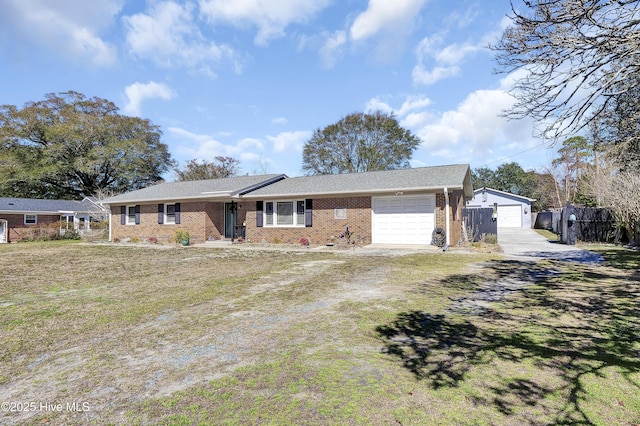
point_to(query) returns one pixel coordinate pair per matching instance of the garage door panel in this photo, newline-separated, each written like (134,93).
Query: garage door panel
(510,216)
(403,219)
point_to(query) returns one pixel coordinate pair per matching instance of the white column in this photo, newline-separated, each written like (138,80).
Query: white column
(446,217)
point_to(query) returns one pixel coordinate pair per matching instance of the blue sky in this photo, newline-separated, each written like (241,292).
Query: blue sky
(252,79)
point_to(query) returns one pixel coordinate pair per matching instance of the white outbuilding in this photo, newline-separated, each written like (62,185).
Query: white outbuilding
(514,211)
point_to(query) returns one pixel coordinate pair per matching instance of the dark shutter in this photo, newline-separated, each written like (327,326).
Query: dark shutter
(259,218)
(160,214)
(177,213)
(308,212)
(137,214)
(123,215)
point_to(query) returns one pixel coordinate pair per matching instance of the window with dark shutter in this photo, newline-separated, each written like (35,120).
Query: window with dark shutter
(160,214)
(259,213)
(123,215)
(177,212)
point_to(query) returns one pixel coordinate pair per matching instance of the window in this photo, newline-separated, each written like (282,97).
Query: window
(269,214)
(67,221)
(285,213)
(170,214)
(131,215)
(30,219)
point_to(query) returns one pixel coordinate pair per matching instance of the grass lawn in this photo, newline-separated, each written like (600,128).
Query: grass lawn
(135,335)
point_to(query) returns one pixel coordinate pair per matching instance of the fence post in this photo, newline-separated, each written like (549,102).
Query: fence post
(569,225)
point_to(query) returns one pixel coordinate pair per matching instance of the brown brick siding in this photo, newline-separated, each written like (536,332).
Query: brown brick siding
(456,202)
(324,225)
(199,218)
(18,230)
(205,220)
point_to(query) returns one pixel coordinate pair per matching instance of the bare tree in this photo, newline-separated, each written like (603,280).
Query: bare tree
(573,58)
(618,191)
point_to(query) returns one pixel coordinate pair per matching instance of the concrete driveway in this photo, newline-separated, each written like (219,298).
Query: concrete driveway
(526,243)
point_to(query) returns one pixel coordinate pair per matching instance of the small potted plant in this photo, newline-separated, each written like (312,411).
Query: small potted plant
(181,237)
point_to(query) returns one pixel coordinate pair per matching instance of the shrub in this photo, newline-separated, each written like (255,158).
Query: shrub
(305,241)
(181,235)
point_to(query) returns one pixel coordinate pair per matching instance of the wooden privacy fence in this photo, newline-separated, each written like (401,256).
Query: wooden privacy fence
(591,225)
(595,225)
(478,223)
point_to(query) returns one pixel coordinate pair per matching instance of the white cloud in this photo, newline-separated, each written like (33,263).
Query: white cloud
(196,146)
(280,120)
(168,35)
(376,104)
(72,27)
(289,140)
(455,53)
(332,48)
(385,16)
(416,120)
(424,77)
(410,103)
(271,17)
(475,131)
(206,147)
(138,92)
(437,61)
(413,103)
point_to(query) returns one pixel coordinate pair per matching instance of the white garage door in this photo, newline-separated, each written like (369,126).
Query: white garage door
(403,219)
(509,216)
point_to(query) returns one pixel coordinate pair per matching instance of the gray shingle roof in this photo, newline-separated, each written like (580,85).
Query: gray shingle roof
(195,189)
(422,178)
(31,205)
(508,194)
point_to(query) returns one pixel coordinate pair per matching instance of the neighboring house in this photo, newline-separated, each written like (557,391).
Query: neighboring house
(514,211)
(392,207)
(19,216)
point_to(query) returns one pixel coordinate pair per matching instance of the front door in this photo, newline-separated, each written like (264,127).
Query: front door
(229,219)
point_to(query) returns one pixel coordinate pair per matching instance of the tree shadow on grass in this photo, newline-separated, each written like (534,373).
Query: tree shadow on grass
(566,324)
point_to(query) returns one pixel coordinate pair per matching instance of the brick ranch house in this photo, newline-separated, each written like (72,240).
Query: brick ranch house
(21,217)
(386,207)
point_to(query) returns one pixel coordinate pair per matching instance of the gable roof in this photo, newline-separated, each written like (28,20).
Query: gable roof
(456,176)
(503,193)
(37,206)
(208,189)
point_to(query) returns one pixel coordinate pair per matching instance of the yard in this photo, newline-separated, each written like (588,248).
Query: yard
(133,335)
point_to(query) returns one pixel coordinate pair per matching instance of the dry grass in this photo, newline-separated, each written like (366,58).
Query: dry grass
(189,335)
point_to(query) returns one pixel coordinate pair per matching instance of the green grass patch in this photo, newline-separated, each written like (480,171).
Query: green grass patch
(202,336)
(548,234)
